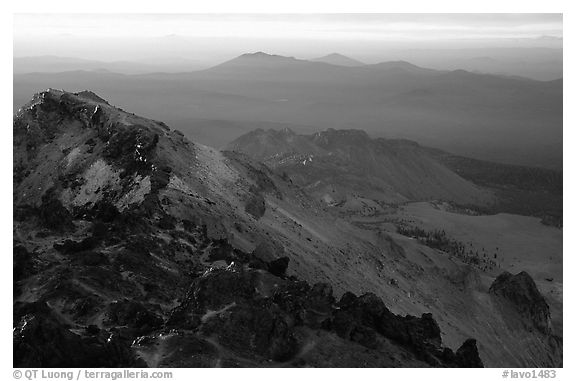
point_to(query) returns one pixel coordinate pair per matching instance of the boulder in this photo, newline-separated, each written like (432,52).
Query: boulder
(279,266)
(255,205)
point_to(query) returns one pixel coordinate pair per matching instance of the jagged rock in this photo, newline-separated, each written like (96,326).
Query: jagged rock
(347,299)
(422,334)
(521,291)
(369,310)
(467,355)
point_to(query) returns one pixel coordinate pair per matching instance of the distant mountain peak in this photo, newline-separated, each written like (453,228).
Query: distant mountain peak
(257,60)
(403,66)
(398,63)
(263,55)
(339,59)
(335,55)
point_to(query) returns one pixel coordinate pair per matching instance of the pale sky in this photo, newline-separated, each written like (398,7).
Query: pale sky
(213,38)
(335,26)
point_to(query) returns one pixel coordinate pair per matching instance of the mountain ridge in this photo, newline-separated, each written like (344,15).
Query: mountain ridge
(436,108)
(402,172)
(515,189)
(130,241)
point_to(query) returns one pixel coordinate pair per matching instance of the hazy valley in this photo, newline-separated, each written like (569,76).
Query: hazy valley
(474,115)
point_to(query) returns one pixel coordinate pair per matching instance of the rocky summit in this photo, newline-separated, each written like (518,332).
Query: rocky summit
(130,250)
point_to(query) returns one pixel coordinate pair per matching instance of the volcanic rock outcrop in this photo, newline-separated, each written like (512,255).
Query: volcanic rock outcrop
(521,291)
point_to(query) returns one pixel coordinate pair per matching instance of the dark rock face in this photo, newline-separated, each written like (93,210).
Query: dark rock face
(233,306)
(467,355)
(363,316)
(521,291)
